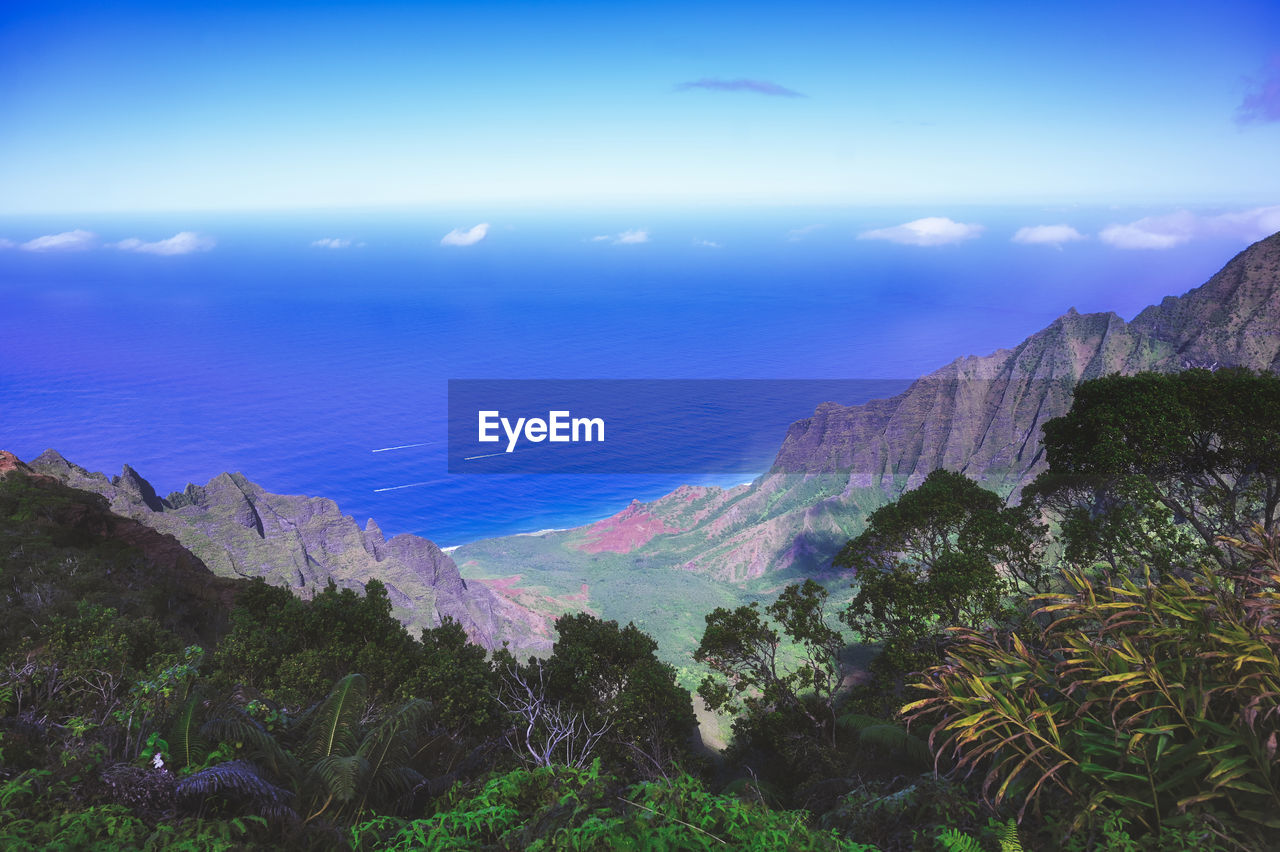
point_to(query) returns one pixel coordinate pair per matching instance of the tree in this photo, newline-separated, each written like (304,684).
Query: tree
(607,677)
(783,672)
(1149,470)
(945,554)
(548,731)
(292,648)
(452,673)
(757,671)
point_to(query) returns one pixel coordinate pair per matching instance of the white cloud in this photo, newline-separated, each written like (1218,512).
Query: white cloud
(930,231)
(184,242)
(1152,232)
(626,238)
(632,237)
(1047,235)
(459,237)
(66,241)
(706,244)
(6,244)
(332,243)
(795,235)
(1174,229)
(1247,224)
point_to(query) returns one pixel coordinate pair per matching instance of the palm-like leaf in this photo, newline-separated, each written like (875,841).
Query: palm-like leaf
(388,750)
(337,776)
(388,744)
(236,726)
(239,779)
(186,746)
(335,728)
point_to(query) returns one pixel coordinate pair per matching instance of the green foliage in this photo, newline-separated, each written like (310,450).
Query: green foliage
(955,840)
(745,649)
(187,747)
(886,737)
(454,675)
(945,554)
(290,648)
(157,694)
(562,808)
(1160,701)
(65,550)
(1151,469)
(780,670)
(611,673)
(906,814)
(38,814)
(340,766)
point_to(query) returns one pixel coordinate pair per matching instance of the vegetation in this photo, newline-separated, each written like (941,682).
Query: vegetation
(1098,667)
(946,554)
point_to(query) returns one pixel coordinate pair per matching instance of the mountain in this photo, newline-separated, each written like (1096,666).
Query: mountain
(98,557)
(237,528)
(980,416)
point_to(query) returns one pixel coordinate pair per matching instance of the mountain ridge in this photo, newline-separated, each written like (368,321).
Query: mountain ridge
(977,415)
(238,529)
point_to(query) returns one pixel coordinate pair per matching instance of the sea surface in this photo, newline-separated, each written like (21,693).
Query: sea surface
(324,371)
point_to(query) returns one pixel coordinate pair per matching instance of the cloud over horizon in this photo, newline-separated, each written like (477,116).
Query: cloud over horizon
(930,231)
(759,87)
(331,243)
(76,240)
(635,236)
(1261,103)
(183,242)
(459,237)
(1181,226)
(1047,235)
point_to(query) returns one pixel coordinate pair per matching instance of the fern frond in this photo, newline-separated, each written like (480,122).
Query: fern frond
(186,746)
(388,743)
(235,726)
(334,730)
(239,779)
(1009,840)
(338,775)
(955,840)
(855,722)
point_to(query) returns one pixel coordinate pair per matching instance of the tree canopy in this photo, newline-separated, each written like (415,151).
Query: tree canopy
(945,554)
(1151,469)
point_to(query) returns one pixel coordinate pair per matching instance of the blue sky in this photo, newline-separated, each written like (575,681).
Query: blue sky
(154,107)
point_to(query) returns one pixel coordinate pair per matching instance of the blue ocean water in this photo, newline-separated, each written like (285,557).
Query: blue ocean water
(300,366)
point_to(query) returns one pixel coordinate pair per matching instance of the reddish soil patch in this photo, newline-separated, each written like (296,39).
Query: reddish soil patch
(625,531)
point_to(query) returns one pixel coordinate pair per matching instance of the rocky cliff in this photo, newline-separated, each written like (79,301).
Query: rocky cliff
(238,529)
(980,416)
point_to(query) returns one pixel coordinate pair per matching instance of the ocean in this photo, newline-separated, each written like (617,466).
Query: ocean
(324,371)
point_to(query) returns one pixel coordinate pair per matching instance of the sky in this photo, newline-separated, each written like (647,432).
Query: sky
(134,107)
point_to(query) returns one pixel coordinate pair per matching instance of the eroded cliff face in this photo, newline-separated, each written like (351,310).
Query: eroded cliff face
(981,416)
(239,529)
